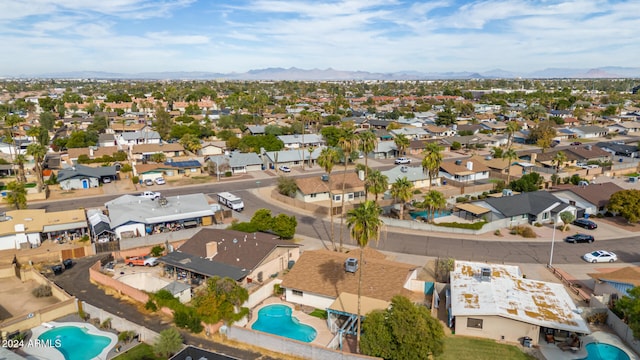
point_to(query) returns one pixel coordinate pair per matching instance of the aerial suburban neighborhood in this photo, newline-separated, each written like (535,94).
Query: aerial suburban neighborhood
(320,219)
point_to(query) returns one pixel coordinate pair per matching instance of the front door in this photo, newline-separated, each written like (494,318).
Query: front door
(85,183)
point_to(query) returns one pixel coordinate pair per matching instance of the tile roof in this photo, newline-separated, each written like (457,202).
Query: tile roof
(237,159)
(454,169)
(322,272)
(243,250)
(155,148)
(315,185)
(627,275)
(596,194)
(507,294)
(203,266)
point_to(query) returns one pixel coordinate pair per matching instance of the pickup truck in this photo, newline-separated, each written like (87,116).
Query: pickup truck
(403,160)
(151,195)
(141,261)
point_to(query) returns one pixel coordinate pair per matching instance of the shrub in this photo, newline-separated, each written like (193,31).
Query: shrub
(42,291)
(461,199)
(417,192)
(599,215)
(227,173)
(277,290)
(473,226)
(151,306)
(497,233)
(524,231)
(537,224)
(135,179)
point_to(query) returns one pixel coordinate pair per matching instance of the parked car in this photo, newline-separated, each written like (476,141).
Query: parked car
(159,181)
(106,180)
(110,266)
(284,168)
(600,256)
(68,263)
(576,143)
(151,195)
(578,238)
(555,143)
(584,223)
(403,160)
(57,269)
(148,182)
(143,260)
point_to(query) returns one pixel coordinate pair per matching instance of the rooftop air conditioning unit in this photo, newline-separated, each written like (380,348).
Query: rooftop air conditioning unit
(351,265)
(485,274)
(404,169)
(458,162)
(324,177)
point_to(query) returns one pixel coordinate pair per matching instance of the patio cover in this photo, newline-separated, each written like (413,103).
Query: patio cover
(473,209)
(348,303)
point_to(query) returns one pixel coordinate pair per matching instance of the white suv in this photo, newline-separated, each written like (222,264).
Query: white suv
(403,160)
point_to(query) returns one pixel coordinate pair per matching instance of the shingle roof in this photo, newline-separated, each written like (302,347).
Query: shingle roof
(184,164)
(315,185)
(156,148)
(203,266)
(237,159)
(322,272)
(596,194)
(526,203)
(86,171)
(455,169)
(412,173)
(627,275)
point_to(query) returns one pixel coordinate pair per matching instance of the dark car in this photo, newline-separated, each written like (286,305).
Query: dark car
(579,238)
(576,143)
(584,223)
(68,263)
(57,269)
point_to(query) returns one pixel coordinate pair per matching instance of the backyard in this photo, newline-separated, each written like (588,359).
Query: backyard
(463,348)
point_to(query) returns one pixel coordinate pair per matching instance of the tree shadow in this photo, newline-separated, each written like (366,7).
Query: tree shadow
(333,272)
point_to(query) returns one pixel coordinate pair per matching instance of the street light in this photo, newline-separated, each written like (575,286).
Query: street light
(553,240)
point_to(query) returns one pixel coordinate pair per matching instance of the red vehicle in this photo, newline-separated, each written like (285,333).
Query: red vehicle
(141,261)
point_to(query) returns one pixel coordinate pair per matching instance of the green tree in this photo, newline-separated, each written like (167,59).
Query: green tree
(434,201)
(402,191)
(191,143)
(566,218)
(512,128)
(47,120)
(365,224)
(559,159)
(626,203)
(157,250)
(287,186)
(629,306)
(368,143)
(168,343)
(527,183)
(158,157)
(163,122)
(403,331)
(20,160)
(38,152)
(327,159)
(17,195)
(262,220)
(222,299)
(432,161)
(509,155)
(348,142)
(402,143)
(446,117)
(376,183)
(285,226)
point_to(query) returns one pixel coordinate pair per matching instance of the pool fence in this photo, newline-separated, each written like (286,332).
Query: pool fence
(617,325)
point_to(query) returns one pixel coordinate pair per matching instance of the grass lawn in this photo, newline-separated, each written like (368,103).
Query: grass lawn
(322,314)
(140,352)
(462,348)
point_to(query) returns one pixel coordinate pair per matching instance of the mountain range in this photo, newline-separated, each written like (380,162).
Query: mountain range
(293,74)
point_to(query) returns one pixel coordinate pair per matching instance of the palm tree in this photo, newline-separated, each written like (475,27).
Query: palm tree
(434,201)
(559,159)
(512,127)
(432,161)
(402,143)
(376,183)
(368,142)
(19,160)
(348,142)
(510,155)
(17,195)
(402,190)
(38,152)
(365,224)
(327,159)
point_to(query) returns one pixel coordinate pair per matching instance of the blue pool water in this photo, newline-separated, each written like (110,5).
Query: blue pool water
(600,351)
(75,343)
(425,213)
(276,319)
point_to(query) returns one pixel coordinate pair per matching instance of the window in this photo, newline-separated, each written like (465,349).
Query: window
(337,197)
(296,292)
(474,323)
(313,196)
(572,203)
(545,216)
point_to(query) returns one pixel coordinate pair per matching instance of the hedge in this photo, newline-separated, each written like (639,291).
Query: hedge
(473,226)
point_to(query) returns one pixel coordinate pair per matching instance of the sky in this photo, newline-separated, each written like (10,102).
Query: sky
(224,36)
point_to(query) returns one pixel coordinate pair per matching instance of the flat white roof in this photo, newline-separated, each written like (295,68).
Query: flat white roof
(507,294)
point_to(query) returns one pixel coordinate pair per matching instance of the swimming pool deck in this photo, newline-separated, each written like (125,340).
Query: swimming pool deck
(323,336)
(50,353)
(552,351)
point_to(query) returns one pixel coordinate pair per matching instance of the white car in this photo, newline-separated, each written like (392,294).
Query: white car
(600,256)
(284,169)
(159,181)
(403,160)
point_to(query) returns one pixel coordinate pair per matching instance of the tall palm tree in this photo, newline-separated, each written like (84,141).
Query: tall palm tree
(512,128)
(434,201)
(432,161)
(559,159)
(327,159)
(17,195)
(510,155)
(348,142)
(365,224)
(368,142)
(402,190)
(20,160)
(38,152)
(376,183)
(402,143)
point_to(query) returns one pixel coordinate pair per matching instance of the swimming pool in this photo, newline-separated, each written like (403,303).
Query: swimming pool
(276,319)
(425,213)
(602,351)
(75,343)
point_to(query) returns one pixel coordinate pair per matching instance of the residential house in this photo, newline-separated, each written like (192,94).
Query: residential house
(619,149)
(260,256)
(588,132)
(412,133)
(187,167)
(145,151)
(625,128)
(107,140)
(320,188)
(297,141)
(617,282)
(378,124)
(417,147)
(415,174)
(561,113)
(290,158)
(212,148)
(586,153)
(498,165)
(24,229)
(135,216)
(571,121)
(498,127)
(237,162)
(384,150)
(498,302)
(99,226)
(590,200)
(383,134)
(439,131)
(118,127)
(473,128)
(525,208)
(91,152)
(138,137)
(463,171)
(255,129)
(84,177)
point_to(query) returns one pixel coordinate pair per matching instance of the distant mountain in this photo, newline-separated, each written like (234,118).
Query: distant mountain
(294,73)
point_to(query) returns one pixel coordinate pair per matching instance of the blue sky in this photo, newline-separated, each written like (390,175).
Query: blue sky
(131,36)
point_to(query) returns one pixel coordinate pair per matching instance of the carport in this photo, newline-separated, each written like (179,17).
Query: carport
(471,211)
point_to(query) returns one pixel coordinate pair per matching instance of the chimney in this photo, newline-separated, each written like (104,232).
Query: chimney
(212,249)
(470,165)
(534,157)
(361,175)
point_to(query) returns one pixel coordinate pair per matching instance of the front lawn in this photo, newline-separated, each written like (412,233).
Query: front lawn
(463,348)
(140,352)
